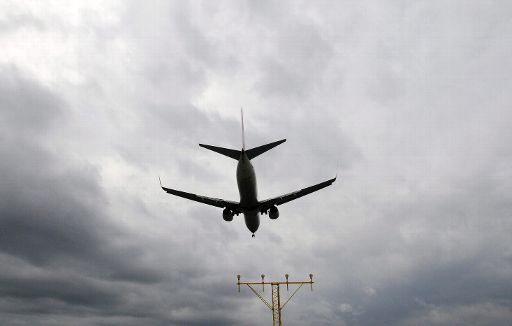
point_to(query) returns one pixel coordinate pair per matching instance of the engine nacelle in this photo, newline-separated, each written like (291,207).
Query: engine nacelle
(227,215)
(273,213)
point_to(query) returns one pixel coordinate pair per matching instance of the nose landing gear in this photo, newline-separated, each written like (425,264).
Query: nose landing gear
(253,235)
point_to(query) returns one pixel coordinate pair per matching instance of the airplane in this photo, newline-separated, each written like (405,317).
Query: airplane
(249,205)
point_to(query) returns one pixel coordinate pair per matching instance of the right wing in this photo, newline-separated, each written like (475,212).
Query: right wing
(234,206)
(266,204)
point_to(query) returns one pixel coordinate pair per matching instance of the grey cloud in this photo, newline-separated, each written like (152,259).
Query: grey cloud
(54,223)
(24,105)
(408,100)
(51,213)
(295,67)
(478,314)
(15,21)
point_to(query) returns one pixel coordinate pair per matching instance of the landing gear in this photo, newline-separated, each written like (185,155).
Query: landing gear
(253,235)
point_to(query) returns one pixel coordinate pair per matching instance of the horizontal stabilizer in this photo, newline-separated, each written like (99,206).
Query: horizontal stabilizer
(233,153)
(253,152)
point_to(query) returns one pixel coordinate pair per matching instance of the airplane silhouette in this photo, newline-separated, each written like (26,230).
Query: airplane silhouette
(249,204)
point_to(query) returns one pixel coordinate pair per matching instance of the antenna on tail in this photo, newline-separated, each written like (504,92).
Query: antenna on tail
(243,132)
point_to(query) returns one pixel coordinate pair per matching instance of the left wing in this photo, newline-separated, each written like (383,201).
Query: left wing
(234,206)
(267,203)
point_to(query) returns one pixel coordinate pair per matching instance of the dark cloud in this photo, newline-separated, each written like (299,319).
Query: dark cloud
(51,217)
(408,102)
(76,260)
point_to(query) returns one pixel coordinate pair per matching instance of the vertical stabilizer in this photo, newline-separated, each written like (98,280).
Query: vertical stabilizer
(243,131)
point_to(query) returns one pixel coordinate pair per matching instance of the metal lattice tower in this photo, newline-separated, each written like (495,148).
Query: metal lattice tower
(276,306)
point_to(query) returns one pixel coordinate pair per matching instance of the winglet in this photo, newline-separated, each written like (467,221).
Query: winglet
(160,182)
(337,168)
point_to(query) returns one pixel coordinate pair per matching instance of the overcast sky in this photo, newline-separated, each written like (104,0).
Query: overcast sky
(408,102)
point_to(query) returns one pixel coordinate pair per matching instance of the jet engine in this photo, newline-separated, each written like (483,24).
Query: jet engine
(273,213)
(227,215)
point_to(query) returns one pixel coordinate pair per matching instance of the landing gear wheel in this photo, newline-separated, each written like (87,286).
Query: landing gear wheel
(253,235)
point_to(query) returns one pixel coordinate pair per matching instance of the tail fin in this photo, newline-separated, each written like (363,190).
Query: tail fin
(253,152)
(243,131)
(233,153)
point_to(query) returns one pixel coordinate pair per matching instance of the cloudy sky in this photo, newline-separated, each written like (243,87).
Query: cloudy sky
(407,101)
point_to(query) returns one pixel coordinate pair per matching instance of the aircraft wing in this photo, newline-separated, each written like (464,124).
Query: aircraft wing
(267,203)
(203,199)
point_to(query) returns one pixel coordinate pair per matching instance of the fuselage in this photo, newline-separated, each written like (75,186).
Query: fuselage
(247,187)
